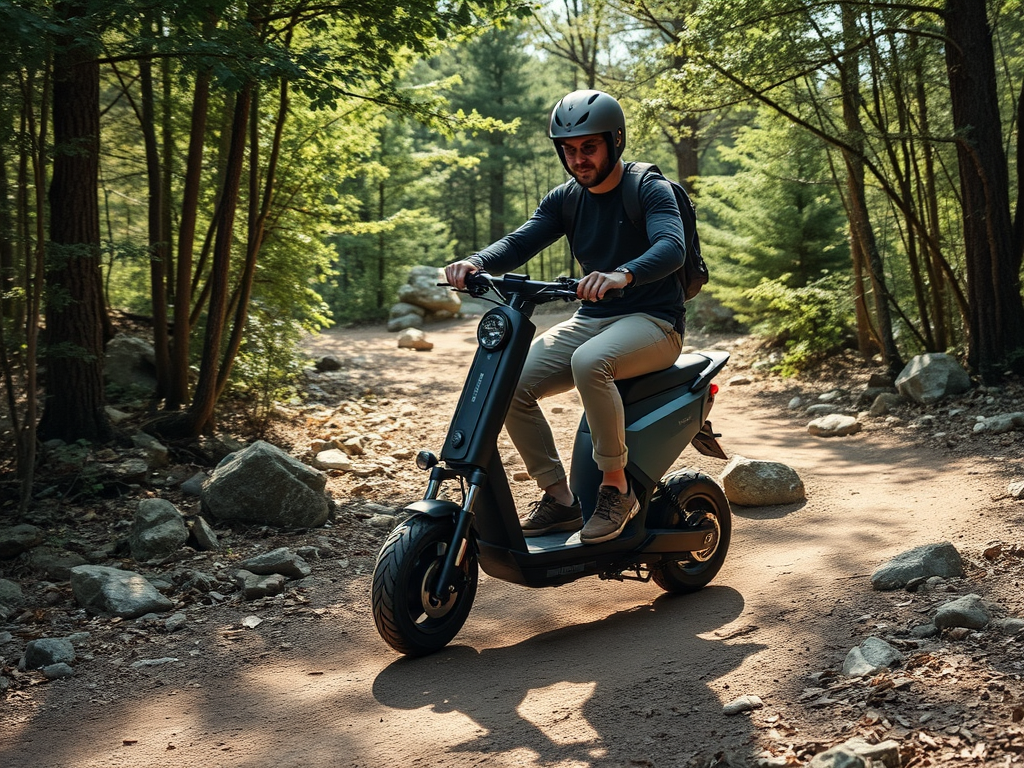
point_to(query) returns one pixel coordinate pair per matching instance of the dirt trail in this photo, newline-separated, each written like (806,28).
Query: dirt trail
(589,674)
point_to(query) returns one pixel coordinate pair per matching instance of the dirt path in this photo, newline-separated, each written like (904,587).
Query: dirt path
(590,674)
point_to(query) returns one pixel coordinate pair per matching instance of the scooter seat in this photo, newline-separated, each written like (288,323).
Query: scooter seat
(686,368)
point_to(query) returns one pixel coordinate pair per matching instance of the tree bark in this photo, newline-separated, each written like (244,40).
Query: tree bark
(993,262)
(75,314)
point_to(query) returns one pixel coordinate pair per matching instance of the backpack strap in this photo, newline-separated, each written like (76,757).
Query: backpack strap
(633,176)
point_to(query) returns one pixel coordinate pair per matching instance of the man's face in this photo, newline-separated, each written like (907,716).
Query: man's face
(587,159)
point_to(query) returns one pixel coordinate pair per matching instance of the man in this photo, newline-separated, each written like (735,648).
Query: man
(608,338)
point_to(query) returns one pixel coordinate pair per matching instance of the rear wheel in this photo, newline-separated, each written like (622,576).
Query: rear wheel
(407,616)
(688,499)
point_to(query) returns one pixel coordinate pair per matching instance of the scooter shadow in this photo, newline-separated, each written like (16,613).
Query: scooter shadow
(589,692)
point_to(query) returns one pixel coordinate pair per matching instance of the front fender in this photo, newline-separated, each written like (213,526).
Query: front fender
(436,508)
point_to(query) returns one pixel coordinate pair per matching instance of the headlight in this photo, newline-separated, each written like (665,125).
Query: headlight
(493,331)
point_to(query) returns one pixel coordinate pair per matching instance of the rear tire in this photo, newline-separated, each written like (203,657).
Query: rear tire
(406,615)
(686,499)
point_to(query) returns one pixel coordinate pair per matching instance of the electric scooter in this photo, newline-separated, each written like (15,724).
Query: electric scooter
(425,577)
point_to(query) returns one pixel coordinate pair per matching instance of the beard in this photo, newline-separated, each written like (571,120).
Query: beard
(591,175)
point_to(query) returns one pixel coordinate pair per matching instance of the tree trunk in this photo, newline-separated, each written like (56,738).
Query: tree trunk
(993,262)
(75,315)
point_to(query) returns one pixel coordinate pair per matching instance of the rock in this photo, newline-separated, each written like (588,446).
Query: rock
(968,611)
(130,362)
(1000,423)
(1009,626)
(422,290)
(871,394)
(921,562)
(254,586)
(157,531)
(264,485)
(924,631)
(403,308)
(58,671)
(353,446)
(761,483)
(131,471)
(870,657)
(157,454)
(282,561)
(742,704)
(795,403)
(413,338)
(175,622)
(404,322)
(203,535)
(328,363)
(116,416)
(881,380)
(739,381)
(17,539)
(102,590)
(834,425)
(55,564)
(837,757)
(194,485)
(48,650)
(384,522)
(930,377)
(884,404)
(333,459)
(1016,489)
(10,594)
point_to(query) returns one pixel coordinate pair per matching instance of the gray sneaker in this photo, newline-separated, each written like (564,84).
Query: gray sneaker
(548,516)
(613,511)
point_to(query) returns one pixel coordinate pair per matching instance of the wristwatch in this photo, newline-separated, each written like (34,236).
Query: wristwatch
(627,273)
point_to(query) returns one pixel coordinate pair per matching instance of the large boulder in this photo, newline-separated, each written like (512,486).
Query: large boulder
(110,591)
(264,485)
(761,483)
(158,530)
(422,290)
(130,362)
(922,562)
(17,539)
(930,377)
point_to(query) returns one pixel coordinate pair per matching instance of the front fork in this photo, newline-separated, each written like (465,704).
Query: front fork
(445,585)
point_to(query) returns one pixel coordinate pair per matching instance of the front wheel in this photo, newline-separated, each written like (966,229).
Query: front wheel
(407,615)
(687,499)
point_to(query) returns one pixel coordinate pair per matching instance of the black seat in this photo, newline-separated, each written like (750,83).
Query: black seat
(686,368)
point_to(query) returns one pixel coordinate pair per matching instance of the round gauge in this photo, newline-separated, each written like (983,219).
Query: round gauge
(492,331)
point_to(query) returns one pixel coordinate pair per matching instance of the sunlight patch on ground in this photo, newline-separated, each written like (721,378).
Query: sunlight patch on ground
(557,711)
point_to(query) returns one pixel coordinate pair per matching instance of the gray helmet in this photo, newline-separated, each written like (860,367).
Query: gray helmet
(581,113)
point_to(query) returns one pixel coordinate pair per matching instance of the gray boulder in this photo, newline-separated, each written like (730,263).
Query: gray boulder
(48,650)
(422,290)
(968,611)
(834,425)
(884,404)
(254,585)
(158,530)
(919,563)
(413,338)
(54,563)
(761,483)
(10,594)
(203,535)
(281,560)
(17,539)
(156,452)
(109,591)
(264,485)
(130,362)
(870,657)
(403,322)
(930,377)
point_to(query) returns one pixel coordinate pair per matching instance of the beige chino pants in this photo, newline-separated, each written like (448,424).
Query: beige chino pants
(589,354)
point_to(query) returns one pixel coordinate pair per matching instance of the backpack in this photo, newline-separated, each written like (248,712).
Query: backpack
(694,272)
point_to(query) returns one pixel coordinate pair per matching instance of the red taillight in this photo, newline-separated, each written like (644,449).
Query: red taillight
(714,390)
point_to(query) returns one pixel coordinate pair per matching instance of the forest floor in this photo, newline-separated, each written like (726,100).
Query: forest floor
(594,673)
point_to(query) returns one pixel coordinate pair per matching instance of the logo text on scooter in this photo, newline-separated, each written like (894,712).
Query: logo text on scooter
(476,388)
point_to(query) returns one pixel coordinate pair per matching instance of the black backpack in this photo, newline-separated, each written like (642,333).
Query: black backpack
(694,272)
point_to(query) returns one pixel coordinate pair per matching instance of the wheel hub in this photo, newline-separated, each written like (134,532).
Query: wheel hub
(433,607)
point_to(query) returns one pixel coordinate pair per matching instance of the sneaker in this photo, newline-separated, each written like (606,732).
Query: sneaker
(613,511)
(548,516)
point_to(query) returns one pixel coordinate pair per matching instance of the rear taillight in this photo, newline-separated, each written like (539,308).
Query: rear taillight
(714,390)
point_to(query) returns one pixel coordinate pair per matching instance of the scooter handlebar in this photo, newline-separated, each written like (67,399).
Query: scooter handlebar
(535,291)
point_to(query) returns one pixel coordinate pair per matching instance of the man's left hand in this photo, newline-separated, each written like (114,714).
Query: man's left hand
(594,286)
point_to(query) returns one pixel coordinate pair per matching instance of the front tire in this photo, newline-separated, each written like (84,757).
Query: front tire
(686,499)
(407,617)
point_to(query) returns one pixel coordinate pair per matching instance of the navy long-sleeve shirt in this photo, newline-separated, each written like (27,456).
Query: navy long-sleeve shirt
(604,239)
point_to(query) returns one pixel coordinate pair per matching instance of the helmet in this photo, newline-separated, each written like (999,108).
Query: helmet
(581,113)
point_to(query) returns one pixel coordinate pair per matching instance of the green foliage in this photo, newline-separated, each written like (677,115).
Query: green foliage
(775,214)
(810,321)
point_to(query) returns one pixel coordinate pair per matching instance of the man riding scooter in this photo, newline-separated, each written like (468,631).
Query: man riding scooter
(607,339)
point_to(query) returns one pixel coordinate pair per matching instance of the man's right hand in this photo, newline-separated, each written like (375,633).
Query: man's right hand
(455,273)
